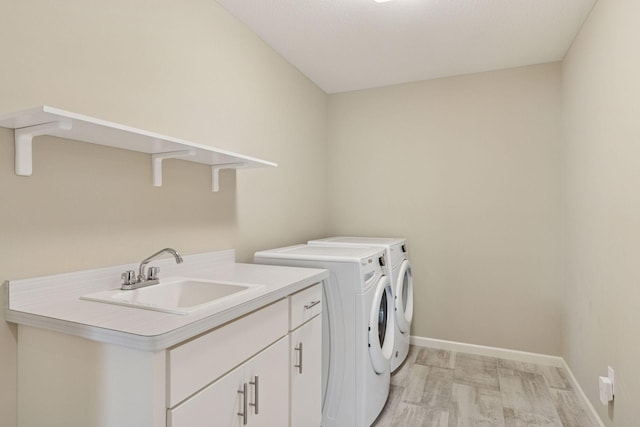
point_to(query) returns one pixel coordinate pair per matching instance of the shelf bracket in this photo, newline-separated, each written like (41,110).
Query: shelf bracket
(215,173)
(156,163)
(24,139)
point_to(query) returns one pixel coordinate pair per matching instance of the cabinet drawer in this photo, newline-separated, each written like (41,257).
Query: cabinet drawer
(305,305)
(198,362)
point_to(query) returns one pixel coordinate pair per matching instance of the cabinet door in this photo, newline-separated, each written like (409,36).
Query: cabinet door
(306,388)
(196,363)
(269,398)
(216,405)
(219,404)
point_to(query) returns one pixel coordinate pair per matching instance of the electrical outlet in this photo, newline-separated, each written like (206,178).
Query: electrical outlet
(612,378)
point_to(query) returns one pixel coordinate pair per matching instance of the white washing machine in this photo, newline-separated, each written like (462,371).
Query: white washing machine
(358,328)
(401,280)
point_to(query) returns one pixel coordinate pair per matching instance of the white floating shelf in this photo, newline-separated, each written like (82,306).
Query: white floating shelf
(45,120)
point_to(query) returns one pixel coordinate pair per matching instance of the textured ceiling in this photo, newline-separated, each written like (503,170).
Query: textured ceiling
(345,45)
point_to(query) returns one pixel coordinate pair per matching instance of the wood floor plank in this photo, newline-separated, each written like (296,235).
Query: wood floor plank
(438,388)
(475,406)
(570,409)
(415,384)
(526,400)
(436,357)
(528,419)
(516,365)
(412,415)
(479,371)
(556,377)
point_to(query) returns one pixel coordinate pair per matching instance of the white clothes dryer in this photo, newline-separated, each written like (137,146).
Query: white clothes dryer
(401,280)
(358,328)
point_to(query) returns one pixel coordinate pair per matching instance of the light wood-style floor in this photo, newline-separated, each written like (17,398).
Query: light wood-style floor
(439,388)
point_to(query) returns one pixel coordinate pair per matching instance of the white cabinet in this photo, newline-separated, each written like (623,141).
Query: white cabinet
(305,374)
(271,392)
(253,394)
(192,384)
(305,352)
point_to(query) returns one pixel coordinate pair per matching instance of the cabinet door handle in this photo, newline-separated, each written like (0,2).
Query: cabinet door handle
(299,365)
(244,412)
(311,304)
(256,385)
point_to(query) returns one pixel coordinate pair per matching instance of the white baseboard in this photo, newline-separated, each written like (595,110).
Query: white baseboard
(482,350)
(503,353)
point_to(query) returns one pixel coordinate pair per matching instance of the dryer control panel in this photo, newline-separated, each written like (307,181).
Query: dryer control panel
(372,268)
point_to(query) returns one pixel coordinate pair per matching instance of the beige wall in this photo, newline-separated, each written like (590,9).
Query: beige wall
(471,176)
(466,168)
(186,69)
(601,94)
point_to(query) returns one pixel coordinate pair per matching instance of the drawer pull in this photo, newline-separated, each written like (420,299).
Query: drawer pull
(312,304)
(256,386)
(244,412)
(299,365)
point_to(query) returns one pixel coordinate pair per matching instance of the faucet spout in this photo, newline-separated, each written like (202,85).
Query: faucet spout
(141,273)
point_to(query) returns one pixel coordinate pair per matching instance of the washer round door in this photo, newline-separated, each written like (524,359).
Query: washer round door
(404,297)
(381,327)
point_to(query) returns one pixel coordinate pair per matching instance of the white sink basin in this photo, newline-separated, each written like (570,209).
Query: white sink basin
(177,295)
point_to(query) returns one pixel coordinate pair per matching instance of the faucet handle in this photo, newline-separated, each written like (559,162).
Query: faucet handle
(128,277)
(153,273)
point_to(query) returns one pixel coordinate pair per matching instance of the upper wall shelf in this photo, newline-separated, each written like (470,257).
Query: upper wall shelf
(45,120)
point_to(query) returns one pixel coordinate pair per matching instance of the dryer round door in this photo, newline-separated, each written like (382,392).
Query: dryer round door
(404,297)
(381,327)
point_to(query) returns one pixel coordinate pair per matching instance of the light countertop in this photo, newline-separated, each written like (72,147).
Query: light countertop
(54,303)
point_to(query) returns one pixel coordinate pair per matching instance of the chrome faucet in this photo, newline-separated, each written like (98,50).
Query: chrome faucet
(130,281)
